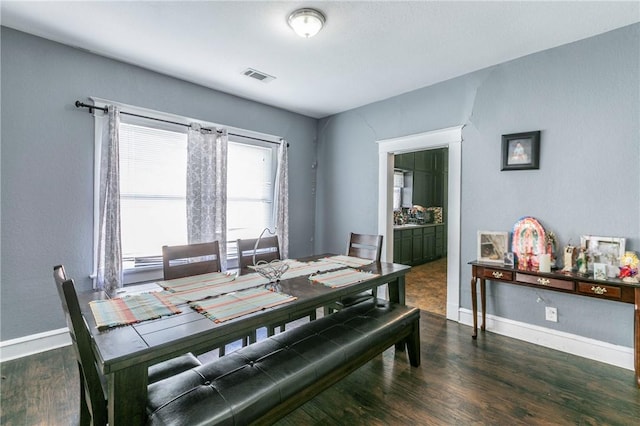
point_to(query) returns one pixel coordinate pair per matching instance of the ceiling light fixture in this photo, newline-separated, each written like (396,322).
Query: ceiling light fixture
(306,22)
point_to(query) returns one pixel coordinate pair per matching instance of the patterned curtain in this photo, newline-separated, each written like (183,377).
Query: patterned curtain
(109,255)
(281,197)
(207,188)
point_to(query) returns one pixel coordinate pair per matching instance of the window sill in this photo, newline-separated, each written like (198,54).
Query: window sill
(143,274)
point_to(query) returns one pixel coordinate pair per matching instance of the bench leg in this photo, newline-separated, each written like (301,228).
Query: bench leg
(413,344)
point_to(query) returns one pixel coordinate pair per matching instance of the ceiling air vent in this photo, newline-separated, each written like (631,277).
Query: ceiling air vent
(258,75)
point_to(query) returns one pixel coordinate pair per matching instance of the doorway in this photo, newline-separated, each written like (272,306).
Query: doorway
(420,225)
(450,138)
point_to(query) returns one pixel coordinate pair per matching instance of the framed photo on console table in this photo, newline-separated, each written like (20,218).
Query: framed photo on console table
(492,246)
(521,151)
(603,250)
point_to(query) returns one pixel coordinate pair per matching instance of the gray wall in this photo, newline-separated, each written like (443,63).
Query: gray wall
(47,164)
(584,97)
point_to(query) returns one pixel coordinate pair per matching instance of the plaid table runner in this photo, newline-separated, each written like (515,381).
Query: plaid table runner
(196,281)
(350,261)
(342,277)
(205,289)
(234,305)
(300,269)
(130,309)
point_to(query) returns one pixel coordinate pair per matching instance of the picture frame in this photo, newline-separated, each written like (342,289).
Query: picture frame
(521,151)
(492,246)
(509,259)
(600,271)
(603,250)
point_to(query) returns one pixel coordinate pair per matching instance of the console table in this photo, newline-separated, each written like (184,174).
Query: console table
(580,285)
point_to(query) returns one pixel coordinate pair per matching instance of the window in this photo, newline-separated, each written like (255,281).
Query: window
(251,173)
(153,173)
(153,164)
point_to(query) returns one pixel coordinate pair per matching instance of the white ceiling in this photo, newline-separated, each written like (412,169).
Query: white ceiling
(368,51)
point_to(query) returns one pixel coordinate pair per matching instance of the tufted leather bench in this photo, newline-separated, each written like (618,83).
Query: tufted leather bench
(264,381)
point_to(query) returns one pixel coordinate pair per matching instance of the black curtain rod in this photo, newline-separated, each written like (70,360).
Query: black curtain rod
(104,109)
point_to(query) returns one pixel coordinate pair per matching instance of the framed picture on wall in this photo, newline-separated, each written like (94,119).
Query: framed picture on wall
(492,246)
(521,151)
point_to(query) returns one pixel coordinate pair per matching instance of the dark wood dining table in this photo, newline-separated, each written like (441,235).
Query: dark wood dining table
(124,353)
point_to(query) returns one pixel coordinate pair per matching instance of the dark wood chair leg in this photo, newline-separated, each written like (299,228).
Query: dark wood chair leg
(85,413)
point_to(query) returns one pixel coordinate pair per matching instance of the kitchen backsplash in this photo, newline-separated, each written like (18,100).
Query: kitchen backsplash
(417,215)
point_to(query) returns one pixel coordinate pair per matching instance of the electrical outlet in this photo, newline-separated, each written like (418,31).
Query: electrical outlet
(551,314)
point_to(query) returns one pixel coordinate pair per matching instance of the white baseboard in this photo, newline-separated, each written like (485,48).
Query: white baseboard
(33,344)
(619,356)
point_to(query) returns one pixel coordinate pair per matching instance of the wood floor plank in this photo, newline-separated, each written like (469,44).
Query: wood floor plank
(41,389)
(494,380)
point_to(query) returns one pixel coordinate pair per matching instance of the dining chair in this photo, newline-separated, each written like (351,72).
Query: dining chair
(254,250)
(267,250)
(195,259)
(364,246)
(93,384)
(191,259)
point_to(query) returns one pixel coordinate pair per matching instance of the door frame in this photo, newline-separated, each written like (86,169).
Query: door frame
(450,138)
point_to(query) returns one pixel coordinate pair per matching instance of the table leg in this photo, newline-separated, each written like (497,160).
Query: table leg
(474,304)
(636,327)
(127,396)
(483,302)
(397,295)
(397,291)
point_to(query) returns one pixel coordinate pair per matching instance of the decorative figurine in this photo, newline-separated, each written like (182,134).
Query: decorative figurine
(570,256)
(582,261)
(629,267)
(551,243)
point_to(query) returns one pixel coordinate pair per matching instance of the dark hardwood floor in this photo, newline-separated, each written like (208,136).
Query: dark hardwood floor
(492,381)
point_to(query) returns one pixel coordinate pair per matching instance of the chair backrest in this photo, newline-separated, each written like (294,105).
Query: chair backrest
(190,259)
(60,276)
(82,341)
(267,250)
(365,246)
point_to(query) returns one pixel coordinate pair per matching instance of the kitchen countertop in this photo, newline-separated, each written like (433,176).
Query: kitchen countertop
(415,225)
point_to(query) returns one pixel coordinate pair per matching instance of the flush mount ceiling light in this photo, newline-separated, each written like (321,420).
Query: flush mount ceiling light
(306,22)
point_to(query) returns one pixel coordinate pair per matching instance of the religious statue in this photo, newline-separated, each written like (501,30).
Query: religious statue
(570,256)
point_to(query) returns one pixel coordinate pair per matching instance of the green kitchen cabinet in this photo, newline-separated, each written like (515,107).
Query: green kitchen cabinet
(418,245)
(429,243)
(416,253)
(423,161)
(404,161)
(422,188)
(406,247)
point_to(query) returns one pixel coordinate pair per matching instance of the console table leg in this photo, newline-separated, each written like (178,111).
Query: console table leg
(636,328)
(474,306)
(483,301)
